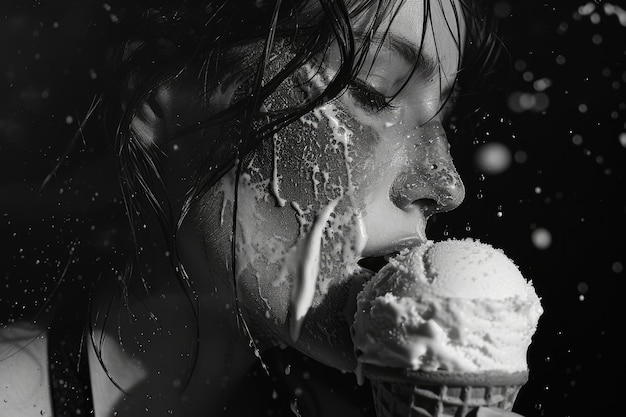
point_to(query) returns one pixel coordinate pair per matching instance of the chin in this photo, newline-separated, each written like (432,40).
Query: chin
(325,331)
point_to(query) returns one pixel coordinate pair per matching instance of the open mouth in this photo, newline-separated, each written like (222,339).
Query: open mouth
(375,263)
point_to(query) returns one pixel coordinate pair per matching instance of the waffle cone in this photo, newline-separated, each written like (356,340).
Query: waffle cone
(407,393)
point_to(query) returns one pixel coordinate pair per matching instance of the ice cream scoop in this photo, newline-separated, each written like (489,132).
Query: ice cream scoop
(456,305)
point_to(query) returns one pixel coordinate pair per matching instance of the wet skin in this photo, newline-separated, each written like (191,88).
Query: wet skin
(355,178)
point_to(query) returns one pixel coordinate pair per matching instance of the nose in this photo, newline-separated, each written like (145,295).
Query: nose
(420,182)
(429,181)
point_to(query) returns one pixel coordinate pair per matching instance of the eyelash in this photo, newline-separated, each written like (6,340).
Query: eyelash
(368,98)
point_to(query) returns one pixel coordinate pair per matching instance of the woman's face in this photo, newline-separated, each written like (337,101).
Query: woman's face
(355,178)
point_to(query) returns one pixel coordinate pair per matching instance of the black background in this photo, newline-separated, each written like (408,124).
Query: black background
(565,180)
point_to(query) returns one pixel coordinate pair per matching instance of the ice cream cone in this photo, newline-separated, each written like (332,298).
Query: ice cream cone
(407,393)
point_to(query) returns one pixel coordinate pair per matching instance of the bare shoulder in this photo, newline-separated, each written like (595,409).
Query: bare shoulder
(151,365)
(24,382)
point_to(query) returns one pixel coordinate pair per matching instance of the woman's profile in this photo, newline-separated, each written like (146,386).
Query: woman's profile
(268,155)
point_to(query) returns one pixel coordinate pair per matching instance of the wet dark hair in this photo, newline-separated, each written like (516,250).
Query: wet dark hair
(205,41)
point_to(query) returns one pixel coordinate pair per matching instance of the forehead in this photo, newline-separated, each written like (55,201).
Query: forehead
(432,31)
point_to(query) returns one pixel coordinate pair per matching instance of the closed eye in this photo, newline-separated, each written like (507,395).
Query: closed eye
(368,98)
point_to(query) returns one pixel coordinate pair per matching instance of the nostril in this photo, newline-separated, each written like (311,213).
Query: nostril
(428,206)
(433,187)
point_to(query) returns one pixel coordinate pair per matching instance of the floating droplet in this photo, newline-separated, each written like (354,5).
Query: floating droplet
(541,238)
(493,158)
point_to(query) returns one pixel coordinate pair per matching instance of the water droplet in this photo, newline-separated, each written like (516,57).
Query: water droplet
(596,39)
(493,158)
(577,139)
(595,18)
(541,238)
(520,157)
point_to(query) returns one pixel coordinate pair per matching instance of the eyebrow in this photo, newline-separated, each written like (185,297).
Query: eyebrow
(410,52)
(426,65)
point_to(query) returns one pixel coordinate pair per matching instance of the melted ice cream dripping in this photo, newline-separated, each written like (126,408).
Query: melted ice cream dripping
(303,287)
(275,181)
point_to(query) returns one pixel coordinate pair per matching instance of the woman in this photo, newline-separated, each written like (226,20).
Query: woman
(270,155)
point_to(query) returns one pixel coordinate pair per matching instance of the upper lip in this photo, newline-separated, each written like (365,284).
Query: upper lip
(395,248)
(375,261)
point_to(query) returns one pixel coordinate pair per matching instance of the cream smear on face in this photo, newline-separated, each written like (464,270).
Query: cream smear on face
(320,225)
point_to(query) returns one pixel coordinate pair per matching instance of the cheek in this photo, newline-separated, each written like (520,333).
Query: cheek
(304,190)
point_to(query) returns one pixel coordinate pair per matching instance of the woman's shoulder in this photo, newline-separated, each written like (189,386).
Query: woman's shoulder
(24,374)
(28,382)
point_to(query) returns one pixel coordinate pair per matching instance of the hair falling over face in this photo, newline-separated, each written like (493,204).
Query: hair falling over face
(210,77)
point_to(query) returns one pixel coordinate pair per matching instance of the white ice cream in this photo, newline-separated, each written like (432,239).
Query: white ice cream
(456,305)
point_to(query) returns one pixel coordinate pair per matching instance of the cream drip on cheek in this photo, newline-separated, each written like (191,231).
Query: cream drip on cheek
(339,140)
(323,247)
(304,283)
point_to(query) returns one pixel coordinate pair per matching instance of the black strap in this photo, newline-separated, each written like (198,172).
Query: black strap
(70,386)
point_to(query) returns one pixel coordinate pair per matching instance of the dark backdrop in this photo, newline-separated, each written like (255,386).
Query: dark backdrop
(551,196)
